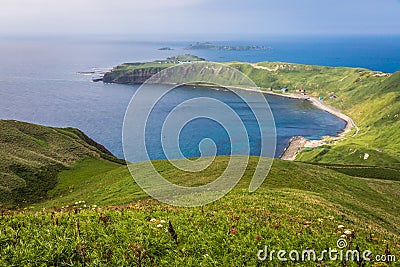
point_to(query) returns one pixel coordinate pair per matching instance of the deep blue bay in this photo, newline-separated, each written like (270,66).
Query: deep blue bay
(39,84)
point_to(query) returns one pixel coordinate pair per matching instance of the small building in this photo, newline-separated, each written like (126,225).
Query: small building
(284,90)
(302,91)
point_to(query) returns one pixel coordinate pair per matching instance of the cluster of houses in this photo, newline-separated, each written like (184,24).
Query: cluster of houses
(302,91)
(285,90)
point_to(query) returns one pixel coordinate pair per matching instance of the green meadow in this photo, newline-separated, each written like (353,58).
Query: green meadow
(67,202)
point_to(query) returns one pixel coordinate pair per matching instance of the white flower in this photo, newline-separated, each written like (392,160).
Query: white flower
(347,232)
(76,203)
(162,221)
(94,206)
(153,219)
(84,206)
(159,225)
(343,236)
(206,255)
(340,226)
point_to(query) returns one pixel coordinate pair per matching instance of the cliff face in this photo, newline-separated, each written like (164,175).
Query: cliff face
(136,76)
(181,73)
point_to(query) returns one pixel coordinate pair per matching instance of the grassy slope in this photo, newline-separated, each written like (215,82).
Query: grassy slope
(373,103)
(298,206)
(104,184)
(32,155)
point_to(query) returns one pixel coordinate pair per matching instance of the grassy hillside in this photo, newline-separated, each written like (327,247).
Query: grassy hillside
(31,156)
(298,206)
(370,98)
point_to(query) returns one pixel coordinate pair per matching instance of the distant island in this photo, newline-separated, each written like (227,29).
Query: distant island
(211,46)
(166,48)
(182,59)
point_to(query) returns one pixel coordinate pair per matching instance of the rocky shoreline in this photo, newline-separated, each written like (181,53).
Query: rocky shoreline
(299,142)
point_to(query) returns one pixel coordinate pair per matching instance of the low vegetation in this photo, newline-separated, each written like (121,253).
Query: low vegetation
(100,217)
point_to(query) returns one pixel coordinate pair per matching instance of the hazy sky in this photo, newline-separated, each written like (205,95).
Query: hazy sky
(215,18)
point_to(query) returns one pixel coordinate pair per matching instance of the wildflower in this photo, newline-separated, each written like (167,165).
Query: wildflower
(153,219)
(343,236)
(76,203)
(159,225)
(340,226)
(206,255)
(94,206)
(258,237)
(233,231)
(347,232)
(162,221)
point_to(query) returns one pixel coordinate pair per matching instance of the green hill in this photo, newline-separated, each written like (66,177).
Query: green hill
(370,98)
(105,219)
(31,156)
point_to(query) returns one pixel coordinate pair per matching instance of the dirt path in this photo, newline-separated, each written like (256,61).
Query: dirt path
(254,65)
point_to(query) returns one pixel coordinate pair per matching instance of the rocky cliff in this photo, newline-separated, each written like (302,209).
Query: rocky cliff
(136,76)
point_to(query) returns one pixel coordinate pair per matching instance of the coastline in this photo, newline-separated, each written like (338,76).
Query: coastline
(299,142)
(319,104)
(296,143)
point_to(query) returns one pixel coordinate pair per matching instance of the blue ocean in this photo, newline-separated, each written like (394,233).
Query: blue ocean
(40,83)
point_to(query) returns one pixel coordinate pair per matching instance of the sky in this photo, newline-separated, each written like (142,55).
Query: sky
(208,18)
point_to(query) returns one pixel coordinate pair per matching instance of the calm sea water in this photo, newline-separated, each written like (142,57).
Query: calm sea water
(39,84)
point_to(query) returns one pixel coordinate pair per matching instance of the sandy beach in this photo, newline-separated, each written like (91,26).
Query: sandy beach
(299,142)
